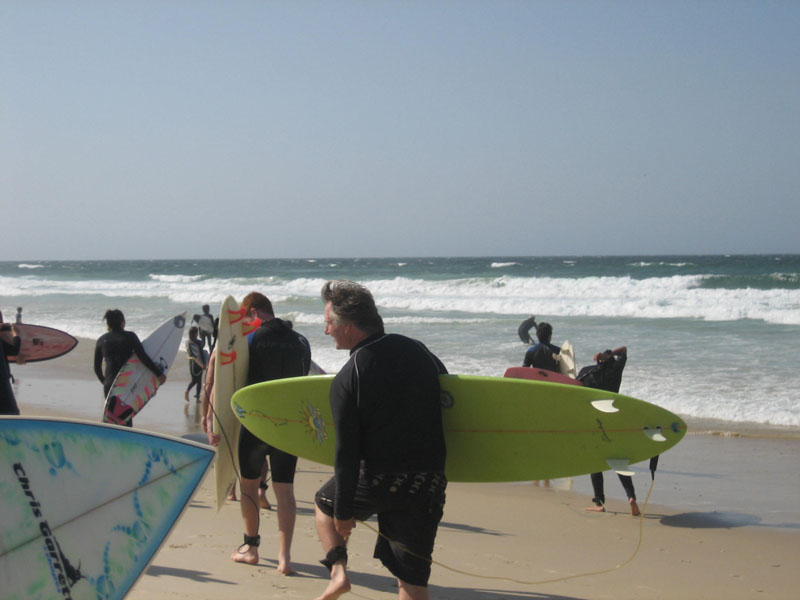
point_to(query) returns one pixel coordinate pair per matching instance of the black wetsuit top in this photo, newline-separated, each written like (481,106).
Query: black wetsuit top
(8,403)
(387,412)
(116,347)
(605,376)
(277,351)
(524,329)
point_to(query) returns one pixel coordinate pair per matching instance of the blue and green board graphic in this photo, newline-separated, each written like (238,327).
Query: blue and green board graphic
(86,506)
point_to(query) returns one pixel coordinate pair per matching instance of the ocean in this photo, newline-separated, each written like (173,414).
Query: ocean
(708,337)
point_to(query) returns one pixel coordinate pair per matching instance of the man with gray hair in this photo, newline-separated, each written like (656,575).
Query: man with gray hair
(390,450)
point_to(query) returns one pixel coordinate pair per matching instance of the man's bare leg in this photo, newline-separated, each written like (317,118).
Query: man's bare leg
(287,510)
(249,507)
(411,592)
(330,538)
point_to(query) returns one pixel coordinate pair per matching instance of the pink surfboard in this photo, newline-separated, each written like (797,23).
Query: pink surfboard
(42,343)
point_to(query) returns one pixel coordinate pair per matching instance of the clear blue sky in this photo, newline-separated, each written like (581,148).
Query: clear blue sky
(200,129)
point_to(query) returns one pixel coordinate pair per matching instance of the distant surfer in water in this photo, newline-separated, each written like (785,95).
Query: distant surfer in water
(606,374)
(115,348)
(524,330)
(390,450)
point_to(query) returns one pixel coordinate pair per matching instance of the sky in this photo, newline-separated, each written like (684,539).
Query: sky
(136,129)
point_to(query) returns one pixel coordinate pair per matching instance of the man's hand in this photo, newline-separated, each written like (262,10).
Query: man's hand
(344,528)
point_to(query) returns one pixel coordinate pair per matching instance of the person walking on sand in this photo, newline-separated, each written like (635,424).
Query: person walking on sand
(390,449)
(197,364)
(208,328)
(115,348)
(276,352)
(606,374)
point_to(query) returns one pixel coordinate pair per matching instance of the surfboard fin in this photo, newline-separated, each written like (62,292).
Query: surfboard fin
(620,465)
(654,433)
(606,406)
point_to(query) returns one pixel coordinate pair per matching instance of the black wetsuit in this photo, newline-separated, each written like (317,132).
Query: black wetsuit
(524,330)
(387,412)
(276,352)
(540,356)
(116,347)
(607,376)
(8,403)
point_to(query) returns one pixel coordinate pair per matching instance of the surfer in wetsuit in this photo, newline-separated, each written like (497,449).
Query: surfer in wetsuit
(115,348)
(525,329)
(197,364)
(541,356)
(606,374)
(10,343)
(208,328)
(276,352)
(390,449)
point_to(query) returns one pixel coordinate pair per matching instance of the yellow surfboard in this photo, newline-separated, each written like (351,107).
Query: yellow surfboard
(496,429)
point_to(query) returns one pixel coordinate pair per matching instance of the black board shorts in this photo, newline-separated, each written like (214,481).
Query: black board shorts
(252,454)
(409,507)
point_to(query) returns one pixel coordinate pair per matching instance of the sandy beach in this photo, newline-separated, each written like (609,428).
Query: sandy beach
(722,521)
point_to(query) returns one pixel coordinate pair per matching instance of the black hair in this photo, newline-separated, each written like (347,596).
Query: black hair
(115,319)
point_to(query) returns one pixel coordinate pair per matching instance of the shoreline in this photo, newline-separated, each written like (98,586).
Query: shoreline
(76,365)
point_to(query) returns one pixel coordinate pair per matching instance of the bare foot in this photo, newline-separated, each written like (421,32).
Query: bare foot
(634,507)
(262,499)
(337,587)
(245,554)
(595,508)
(286,569)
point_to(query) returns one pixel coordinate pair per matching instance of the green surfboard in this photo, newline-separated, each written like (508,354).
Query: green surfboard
(496,429)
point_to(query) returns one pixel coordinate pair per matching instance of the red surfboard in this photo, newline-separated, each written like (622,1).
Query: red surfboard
(539,375)
(42,343)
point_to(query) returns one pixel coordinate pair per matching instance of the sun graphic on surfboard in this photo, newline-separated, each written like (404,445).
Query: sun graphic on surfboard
(312,419)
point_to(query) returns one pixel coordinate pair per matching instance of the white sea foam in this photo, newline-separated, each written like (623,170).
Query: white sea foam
(500,265)
(471,324)
(679,296)
(29,266)
(176,278)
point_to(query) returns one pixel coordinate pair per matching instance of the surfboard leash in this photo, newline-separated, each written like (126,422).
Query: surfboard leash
(236,471)
(540,581)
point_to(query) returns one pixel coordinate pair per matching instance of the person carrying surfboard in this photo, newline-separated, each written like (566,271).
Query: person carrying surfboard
(544,354)
(606,374)
(207,327)
(390,450)
(277,351)
(115,348)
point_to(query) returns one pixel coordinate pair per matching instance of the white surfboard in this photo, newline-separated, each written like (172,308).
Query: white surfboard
(566,360)
(230,374)
(86,506)
(135,384)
